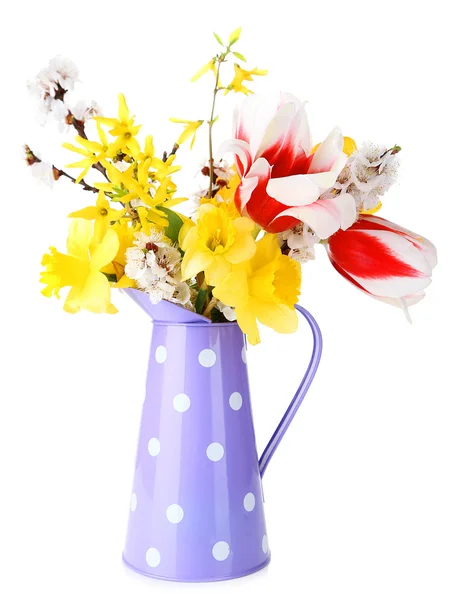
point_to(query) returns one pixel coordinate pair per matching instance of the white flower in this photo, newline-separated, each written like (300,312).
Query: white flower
(155,266)
(181,294)
(83,111)
(301,241)
(222,170)
(163,260)
(228,311)
(60,71)
(44,172)
(368,174)
(51,85)
(136,263)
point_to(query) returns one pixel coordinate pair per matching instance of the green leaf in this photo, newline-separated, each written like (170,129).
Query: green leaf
(217,37)
(199,302)
(240,56)
(174,224)
(234,36)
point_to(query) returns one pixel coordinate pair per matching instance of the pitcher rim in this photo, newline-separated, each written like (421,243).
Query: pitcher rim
(183,324)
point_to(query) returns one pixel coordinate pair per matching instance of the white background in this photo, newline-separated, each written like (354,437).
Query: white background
(361,496)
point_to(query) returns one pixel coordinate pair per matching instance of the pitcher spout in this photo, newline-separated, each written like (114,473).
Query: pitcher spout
(164,311)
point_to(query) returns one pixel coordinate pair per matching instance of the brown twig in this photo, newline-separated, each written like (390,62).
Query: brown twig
(173,151)
(31,158)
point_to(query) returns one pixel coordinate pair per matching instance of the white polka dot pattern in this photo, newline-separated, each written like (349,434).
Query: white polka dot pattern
(207,358)
(181,403)
(215,452)
(174,513)
(153,557)
(220,551)
(235,401)
(249,502)
(161,354)
(154,447)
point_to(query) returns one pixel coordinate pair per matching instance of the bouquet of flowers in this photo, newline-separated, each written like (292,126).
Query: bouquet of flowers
(233,251)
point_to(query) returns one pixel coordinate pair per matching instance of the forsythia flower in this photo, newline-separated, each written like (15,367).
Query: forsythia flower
(123,129)
(241,75)
(215,243)
(265,288)
(80,269)
(93,152)
(189,131)
(102,213)
(210,66)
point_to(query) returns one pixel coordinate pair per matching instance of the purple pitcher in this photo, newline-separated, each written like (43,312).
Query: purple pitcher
(197,502)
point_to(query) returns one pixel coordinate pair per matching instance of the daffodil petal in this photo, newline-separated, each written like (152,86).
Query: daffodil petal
(106,251)
(194,262)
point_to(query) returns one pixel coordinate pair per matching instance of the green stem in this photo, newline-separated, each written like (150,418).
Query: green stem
(211,123)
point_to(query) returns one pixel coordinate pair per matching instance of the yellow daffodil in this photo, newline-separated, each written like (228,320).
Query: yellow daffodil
(265,288)
(215,243)
(94,152)
(126,234)
(123,129)
(189,131)
(102,213)
(241,75)
(81,269)
(210,66)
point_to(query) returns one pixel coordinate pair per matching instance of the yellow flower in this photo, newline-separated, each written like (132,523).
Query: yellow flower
(126,234)
(164,168)
(241,75)
(149,150)
(225,196)
(215,243)
(102,213)
(123,129)
(372,211)
(94,152)
(189,131)
(264,288)
(80,269)
(210,66)
(348,148)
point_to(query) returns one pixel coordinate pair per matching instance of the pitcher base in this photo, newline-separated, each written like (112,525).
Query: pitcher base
(209,580)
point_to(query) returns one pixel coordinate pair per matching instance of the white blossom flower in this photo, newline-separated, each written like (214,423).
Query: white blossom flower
(83,111)
(368,175)
(300,240)
(51,85)
(155,266)
(181,294)
(222,170)
(44,172)
(228,311)
(60,72)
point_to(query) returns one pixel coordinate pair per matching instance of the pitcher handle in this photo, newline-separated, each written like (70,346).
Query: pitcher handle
(300,393)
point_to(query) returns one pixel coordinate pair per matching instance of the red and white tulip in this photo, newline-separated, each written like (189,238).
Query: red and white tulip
(282,179)
(384,260)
